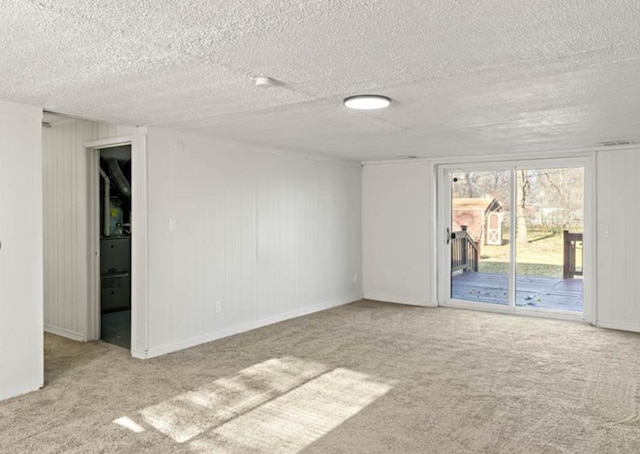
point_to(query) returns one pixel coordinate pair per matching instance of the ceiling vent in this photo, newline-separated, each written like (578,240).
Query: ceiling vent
(616,143)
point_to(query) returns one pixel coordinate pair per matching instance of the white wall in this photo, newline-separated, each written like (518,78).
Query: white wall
(396,224)
(21,343)
(66,228)
(618,201)
(398,248)
(270,236)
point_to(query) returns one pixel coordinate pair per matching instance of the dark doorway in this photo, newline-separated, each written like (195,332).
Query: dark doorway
(115,245)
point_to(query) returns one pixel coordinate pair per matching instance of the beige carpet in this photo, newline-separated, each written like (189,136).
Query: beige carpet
(363,378)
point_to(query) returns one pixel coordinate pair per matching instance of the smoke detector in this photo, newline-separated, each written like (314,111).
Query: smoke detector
(264,82)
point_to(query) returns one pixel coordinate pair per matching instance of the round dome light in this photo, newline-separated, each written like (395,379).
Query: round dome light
(367,102)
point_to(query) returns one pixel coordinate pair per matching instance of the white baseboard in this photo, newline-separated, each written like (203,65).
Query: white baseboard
(215,335)
(139,354)
(399,300)
(64,333)
(622,326)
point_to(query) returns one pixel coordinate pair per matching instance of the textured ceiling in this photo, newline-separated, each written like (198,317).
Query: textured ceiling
(466,76)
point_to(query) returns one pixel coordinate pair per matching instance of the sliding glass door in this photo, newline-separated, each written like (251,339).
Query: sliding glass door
(479,201)
(513,236)
(549,238)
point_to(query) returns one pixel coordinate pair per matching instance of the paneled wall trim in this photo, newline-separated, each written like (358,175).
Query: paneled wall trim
(21,336)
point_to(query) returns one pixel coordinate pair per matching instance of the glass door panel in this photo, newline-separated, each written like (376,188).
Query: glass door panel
(549,230)
(479,235)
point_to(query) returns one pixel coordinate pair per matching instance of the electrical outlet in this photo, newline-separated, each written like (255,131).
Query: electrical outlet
(173,225)
(355,278)
(218,307)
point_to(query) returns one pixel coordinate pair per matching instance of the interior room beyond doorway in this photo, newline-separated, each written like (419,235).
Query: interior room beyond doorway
(115,245)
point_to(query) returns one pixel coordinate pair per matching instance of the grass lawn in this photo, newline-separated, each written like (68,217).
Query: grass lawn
(541,256)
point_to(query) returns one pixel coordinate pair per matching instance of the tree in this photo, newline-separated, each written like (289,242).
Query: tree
(524,188)
(547,198)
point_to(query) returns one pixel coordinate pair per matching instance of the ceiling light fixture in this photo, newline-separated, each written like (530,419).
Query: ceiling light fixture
(367,102)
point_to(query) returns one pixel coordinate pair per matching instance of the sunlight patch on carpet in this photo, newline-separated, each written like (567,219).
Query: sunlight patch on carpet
(280,405)
(194,412)
(297,419)
(127,423)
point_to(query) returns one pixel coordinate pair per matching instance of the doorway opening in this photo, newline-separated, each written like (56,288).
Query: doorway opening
(115,209)
(514,237)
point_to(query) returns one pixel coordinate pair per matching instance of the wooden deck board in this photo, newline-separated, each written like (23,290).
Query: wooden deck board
(544,292)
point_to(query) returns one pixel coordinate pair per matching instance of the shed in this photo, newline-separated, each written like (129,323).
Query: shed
(482,216)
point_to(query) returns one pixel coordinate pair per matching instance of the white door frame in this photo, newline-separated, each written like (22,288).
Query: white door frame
(139,240)
(587,161)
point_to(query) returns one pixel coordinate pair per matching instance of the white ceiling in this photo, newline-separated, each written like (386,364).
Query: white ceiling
(466,76)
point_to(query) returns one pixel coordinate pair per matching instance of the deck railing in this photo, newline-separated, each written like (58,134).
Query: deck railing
(573,260)
(464,251)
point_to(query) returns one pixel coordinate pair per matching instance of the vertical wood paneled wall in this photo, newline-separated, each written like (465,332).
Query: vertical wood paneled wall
(268,236)
(397,233)
(66,241)
(618,241)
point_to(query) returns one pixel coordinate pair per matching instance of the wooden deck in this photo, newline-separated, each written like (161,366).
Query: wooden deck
(543,292)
